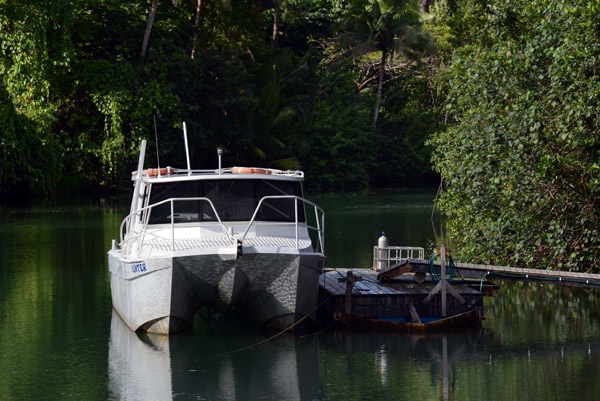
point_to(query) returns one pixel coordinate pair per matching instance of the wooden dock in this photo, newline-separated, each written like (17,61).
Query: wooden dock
(364,295)
(401,298)
(507,273)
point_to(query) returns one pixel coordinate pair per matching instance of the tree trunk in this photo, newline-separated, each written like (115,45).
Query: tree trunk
(379,87)
(197,25)
(276,22)
(425,5)
(149,28)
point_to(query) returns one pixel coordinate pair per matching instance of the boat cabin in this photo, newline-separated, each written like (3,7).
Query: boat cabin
(203,209)
(234,199)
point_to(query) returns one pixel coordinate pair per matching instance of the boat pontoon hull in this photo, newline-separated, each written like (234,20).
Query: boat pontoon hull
(161,295)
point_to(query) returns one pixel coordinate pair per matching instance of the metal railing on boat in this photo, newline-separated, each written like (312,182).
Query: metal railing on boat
(141,217)
(319,225)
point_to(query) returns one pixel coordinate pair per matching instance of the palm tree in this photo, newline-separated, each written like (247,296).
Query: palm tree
(276,23)
(386,26)
(271,115)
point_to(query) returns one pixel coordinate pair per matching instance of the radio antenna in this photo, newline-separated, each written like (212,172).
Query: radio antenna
(187,151)
(156,140)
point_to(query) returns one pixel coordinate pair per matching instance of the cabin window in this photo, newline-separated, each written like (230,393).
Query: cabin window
(234,200)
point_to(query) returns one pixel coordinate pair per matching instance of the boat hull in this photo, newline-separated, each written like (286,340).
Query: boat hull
(161,295)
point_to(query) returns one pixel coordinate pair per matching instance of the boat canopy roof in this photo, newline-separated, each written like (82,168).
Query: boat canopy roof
(233,173)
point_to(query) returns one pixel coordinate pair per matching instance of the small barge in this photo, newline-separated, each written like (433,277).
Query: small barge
(400,304)
(391,296)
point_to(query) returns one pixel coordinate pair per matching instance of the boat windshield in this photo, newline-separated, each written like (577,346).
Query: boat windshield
(234,200)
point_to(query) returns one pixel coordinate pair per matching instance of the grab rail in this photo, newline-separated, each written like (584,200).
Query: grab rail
(320,226)
(139,234)
(144,222)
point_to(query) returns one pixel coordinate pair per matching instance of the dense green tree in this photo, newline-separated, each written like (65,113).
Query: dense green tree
(521,162)
(409,119)
(77,98)
(35,53)
(337,149)
(517,140)
(384,26)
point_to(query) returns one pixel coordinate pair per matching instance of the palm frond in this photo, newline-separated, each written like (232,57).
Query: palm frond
(290,163)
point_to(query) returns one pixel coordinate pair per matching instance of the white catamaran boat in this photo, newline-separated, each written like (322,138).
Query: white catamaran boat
(233,237)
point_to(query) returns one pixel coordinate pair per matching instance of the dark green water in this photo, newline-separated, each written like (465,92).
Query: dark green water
(59,339)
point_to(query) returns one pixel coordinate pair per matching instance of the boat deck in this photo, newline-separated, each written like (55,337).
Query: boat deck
(163,245)
(219,242)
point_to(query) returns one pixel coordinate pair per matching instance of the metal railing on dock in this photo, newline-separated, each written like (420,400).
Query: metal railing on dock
(384,257)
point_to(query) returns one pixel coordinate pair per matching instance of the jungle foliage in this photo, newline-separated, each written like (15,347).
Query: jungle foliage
(500,97)
(521,157)
(79,92)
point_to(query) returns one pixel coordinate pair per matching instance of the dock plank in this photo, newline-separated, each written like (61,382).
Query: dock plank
(374,299)
(366,288)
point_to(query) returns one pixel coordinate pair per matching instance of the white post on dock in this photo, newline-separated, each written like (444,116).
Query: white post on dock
(444,285)
(382,258)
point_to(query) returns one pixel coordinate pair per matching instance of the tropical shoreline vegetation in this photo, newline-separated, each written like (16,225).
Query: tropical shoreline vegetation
(498,100)
(288,84)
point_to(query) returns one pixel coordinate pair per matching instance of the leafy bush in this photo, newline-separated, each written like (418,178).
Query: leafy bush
(521,161)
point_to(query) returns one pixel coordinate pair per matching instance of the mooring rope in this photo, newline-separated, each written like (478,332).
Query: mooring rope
(276,335)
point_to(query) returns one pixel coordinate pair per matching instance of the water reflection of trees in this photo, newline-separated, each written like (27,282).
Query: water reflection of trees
(547,341)
(528,313)
(357,365)
(52,304)
(538,342)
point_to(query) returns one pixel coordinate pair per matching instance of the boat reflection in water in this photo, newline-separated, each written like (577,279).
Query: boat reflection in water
(332,365)
(156,367)
(138,369)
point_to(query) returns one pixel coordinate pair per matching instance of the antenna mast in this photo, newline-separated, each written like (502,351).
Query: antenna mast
(156,140)
(187,152)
